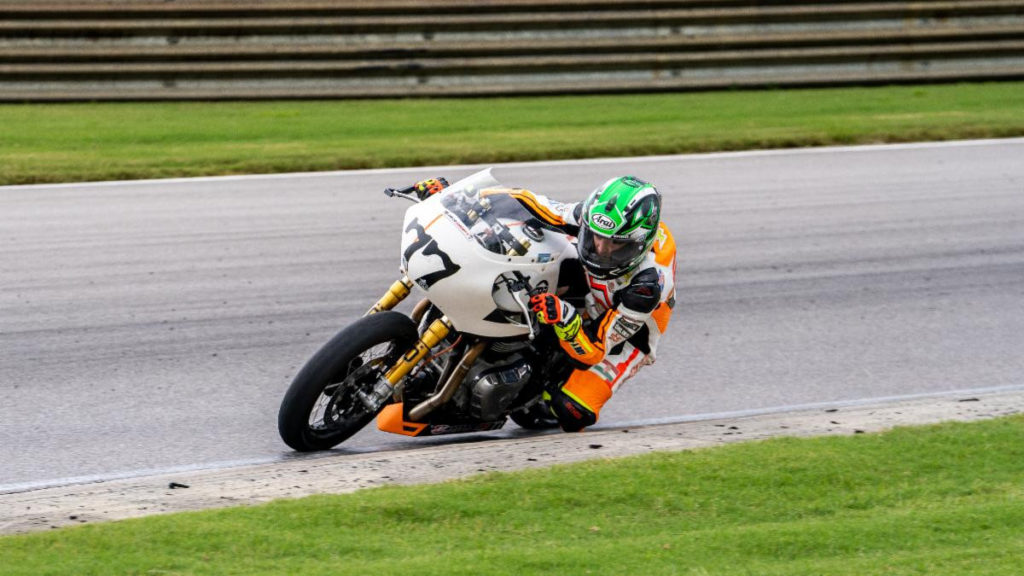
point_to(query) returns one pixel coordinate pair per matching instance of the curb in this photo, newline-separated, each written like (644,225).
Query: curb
(49,508)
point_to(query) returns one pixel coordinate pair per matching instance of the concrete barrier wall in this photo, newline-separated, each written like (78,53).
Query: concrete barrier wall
(53,50)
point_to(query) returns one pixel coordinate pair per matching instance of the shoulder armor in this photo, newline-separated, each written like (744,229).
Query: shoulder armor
(643,293)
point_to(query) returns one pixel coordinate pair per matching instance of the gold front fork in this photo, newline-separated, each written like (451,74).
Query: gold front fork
(398,291)
(433,336)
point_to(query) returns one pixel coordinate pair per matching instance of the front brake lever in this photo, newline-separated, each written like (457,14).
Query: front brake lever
(406,193)
(526,314)
(522,286)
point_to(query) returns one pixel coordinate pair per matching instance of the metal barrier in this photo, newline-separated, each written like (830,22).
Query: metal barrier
(54,50)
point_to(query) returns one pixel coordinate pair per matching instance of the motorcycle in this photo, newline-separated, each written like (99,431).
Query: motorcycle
(470,355)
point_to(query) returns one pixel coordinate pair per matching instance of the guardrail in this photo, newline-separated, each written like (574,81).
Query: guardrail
(146,50)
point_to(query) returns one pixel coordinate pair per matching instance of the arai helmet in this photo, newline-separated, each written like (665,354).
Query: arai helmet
(619,223)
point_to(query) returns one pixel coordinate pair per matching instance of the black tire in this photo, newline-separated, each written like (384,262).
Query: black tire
(350,361)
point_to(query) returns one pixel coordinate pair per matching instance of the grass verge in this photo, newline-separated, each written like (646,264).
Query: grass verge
(946,499)
(81,142)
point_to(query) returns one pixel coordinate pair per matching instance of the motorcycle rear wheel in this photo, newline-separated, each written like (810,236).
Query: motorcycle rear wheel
(320,409)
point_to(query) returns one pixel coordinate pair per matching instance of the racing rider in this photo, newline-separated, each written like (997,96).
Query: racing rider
(629,261)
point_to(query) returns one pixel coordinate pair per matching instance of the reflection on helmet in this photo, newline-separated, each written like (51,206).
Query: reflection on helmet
(620,223)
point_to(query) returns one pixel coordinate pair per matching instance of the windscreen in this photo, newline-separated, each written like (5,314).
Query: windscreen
(489,215)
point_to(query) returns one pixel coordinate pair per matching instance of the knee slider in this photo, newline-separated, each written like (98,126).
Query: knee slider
(572,416)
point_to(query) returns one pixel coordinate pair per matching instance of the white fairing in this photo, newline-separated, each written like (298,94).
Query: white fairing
(462,261)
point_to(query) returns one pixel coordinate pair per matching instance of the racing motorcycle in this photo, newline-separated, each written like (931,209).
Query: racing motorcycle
(470,355)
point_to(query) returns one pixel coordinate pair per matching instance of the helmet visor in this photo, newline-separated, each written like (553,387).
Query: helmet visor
(607,256)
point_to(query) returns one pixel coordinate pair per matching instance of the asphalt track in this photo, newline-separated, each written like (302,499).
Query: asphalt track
(155,325)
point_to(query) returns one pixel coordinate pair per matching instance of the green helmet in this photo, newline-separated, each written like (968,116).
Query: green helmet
(618,225)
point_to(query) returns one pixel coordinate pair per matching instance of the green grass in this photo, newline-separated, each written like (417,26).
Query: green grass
(78,142)
(946,499)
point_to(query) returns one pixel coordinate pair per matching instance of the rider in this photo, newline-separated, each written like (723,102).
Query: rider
(629,261)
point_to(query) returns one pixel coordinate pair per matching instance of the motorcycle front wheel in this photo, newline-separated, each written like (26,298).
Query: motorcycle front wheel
(321,408)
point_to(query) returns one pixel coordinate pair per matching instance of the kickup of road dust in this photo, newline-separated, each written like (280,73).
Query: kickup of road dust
(47,508)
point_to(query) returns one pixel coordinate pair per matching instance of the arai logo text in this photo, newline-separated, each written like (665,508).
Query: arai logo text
(603,222)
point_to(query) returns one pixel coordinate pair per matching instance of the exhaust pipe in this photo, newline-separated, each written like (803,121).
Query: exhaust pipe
(423,409)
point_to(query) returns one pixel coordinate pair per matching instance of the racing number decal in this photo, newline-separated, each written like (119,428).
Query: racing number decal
(429,246)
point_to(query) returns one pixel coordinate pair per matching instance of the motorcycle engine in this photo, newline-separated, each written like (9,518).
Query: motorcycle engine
(491,388)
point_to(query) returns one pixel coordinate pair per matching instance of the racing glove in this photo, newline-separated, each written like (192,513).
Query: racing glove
(427,188)
(567,324)
(557,313)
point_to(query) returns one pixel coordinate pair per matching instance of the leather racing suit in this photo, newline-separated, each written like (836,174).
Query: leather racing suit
(623,318)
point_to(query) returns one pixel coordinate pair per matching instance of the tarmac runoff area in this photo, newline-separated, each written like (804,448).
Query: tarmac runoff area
(47,508)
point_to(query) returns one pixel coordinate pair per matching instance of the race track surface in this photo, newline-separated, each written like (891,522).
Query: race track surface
(155,325)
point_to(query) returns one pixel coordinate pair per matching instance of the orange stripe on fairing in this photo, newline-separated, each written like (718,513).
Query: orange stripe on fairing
(436,218)
(665,249)
(661,315)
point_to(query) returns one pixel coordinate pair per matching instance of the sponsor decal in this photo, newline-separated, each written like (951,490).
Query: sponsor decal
(578,346)
(559,207)
(603,222)
(623,329)
(455,221)
(627,327)
(440,429)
